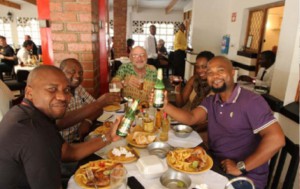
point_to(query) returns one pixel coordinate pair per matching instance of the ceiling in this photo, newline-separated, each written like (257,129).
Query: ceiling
(168,5)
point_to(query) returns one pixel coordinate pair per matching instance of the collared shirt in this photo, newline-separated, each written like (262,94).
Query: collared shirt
(81,97)
(150,46)
(233,127)
(30,149)
(23,55)
(126,70)
(180,42)
(264,76)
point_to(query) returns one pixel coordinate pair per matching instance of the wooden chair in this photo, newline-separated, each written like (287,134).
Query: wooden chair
(276,172)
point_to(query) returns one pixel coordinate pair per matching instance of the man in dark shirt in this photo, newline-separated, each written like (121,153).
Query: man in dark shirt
(7,56)
(34,48)
(31,148)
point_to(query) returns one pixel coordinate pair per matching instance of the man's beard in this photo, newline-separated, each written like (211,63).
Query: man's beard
(220,89)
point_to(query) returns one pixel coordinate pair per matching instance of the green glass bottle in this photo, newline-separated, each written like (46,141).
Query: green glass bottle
(127,120)
(159,88)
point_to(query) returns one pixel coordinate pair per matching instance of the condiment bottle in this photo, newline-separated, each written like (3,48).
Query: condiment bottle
(159,87)
(127,120)
(164,134)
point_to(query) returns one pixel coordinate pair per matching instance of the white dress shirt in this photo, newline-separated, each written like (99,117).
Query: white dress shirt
(150,46)
(267,76)
(23,55)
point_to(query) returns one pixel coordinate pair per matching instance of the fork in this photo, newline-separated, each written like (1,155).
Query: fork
(91,177)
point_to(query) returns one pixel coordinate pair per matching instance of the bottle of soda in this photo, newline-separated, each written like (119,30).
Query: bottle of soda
(127,120)
(159,87)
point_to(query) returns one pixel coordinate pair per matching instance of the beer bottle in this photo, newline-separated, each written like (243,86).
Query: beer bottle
(127,120)
(159,88)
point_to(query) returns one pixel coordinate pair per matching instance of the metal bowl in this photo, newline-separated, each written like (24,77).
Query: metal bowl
(182,130)
(159,149)
(175,180)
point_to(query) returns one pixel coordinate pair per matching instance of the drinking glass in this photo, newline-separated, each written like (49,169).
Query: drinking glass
(118,178)
(175,80)
(114,88)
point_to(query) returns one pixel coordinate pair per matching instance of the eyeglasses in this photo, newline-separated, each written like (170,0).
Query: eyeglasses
(138,55)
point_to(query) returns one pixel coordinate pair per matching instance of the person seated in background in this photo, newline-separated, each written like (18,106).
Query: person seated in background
(130,43)
(24,52)
(31,148)
(7,57)
(136,78)
(83,109)
(34,50)
(242,130)
(161,48)
(263,78)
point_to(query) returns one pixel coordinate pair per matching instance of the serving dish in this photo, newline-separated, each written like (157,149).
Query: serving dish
(175,180)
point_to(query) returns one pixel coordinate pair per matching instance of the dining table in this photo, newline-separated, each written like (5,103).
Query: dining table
(214,178)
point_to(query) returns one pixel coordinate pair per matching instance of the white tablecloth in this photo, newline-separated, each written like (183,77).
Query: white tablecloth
(28,68)
(211,178)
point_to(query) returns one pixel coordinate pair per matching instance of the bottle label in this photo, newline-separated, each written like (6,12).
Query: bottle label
(158,97)
(125,125)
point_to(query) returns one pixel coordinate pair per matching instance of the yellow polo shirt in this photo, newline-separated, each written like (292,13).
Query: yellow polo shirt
(180,42)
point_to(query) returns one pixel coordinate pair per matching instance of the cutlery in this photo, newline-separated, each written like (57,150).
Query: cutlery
(91,177)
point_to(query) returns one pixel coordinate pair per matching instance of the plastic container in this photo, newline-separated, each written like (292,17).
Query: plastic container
(151,166)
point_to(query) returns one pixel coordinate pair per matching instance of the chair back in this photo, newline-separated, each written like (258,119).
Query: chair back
(22,75)
(276,167)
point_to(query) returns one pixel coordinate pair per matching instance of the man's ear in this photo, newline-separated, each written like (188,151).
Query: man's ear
(28,92)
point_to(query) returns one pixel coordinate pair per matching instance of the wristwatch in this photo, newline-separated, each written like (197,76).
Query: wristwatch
(242,167)
(103,137)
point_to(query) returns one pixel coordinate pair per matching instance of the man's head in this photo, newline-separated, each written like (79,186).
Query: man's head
(153,29)
(73,71)
(220,74)
(3,41)
(28,44)
(182,27)
(48,89)
(138,57)
(161,43)
(266,59)
(27,37)
(201,63)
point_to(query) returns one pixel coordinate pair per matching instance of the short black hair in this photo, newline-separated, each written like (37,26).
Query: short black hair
(2,37)
(27,43)
(269,56)
(205,54)
(65,61)
(130,42)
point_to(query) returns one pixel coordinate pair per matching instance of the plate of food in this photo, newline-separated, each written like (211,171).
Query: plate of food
(112,108)
(99,130)
(123,154)
(190,160)
(101,170)
(140,139)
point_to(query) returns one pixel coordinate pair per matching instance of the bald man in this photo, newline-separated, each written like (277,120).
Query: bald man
(242,131)
(31,148)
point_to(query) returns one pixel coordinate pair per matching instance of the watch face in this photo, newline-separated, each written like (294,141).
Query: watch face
(241,165)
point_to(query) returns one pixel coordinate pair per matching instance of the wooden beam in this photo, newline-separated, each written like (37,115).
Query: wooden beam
(31,1)
(170,6)
(10,4)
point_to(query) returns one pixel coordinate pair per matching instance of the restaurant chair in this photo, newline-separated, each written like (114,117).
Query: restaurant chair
(276,166)
(19,83)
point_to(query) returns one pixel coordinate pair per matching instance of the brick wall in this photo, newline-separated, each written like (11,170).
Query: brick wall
(120,17)
(75,35)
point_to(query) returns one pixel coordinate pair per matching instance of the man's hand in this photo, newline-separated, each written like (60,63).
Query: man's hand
(1,56)
(229,167)
(166,100)
(133,81)
(113,131)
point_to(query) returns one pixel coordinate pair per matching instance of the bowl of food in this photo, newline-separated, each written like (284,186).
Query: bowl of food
(182,131)
(159,149)
(175,180)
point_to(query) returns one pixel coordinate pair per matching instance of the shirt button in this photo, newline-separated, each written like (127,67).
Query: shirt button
(221,105)
(221,112)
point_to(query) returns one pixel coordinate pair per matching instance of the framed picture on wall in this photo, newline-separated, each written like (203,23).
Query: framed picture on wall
(249,41)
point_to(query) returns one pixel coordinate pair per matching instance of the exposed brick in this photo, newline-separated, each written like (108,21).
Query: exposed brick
(59,56)
(88,83)
(85,17)
(78,7)
(86,56)
(58,46)
(87,66)
(66,16)
(80,47)
(57,26)
(80,27)
(88,74)
(86,37)
(64,37)
(56,6)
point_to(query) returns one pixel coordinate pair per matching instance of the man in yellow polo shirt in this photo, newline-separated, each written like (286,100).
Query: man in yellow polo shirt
(180,46)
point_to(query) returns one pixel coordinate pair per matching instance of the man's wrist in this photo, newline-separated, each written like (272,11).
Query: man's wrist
(242,167)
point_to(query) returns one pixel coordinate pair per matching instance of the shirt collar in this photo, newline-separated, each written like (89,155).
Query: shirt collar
(233,97)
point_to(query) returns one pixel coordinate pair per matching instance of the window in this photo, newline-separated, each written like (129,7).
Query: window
(5,30)
(164,30)
(28,26)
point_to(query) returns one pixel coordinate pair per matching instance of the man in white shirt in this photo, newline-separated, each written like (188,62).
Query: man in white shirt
(24,52)
(151,47)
